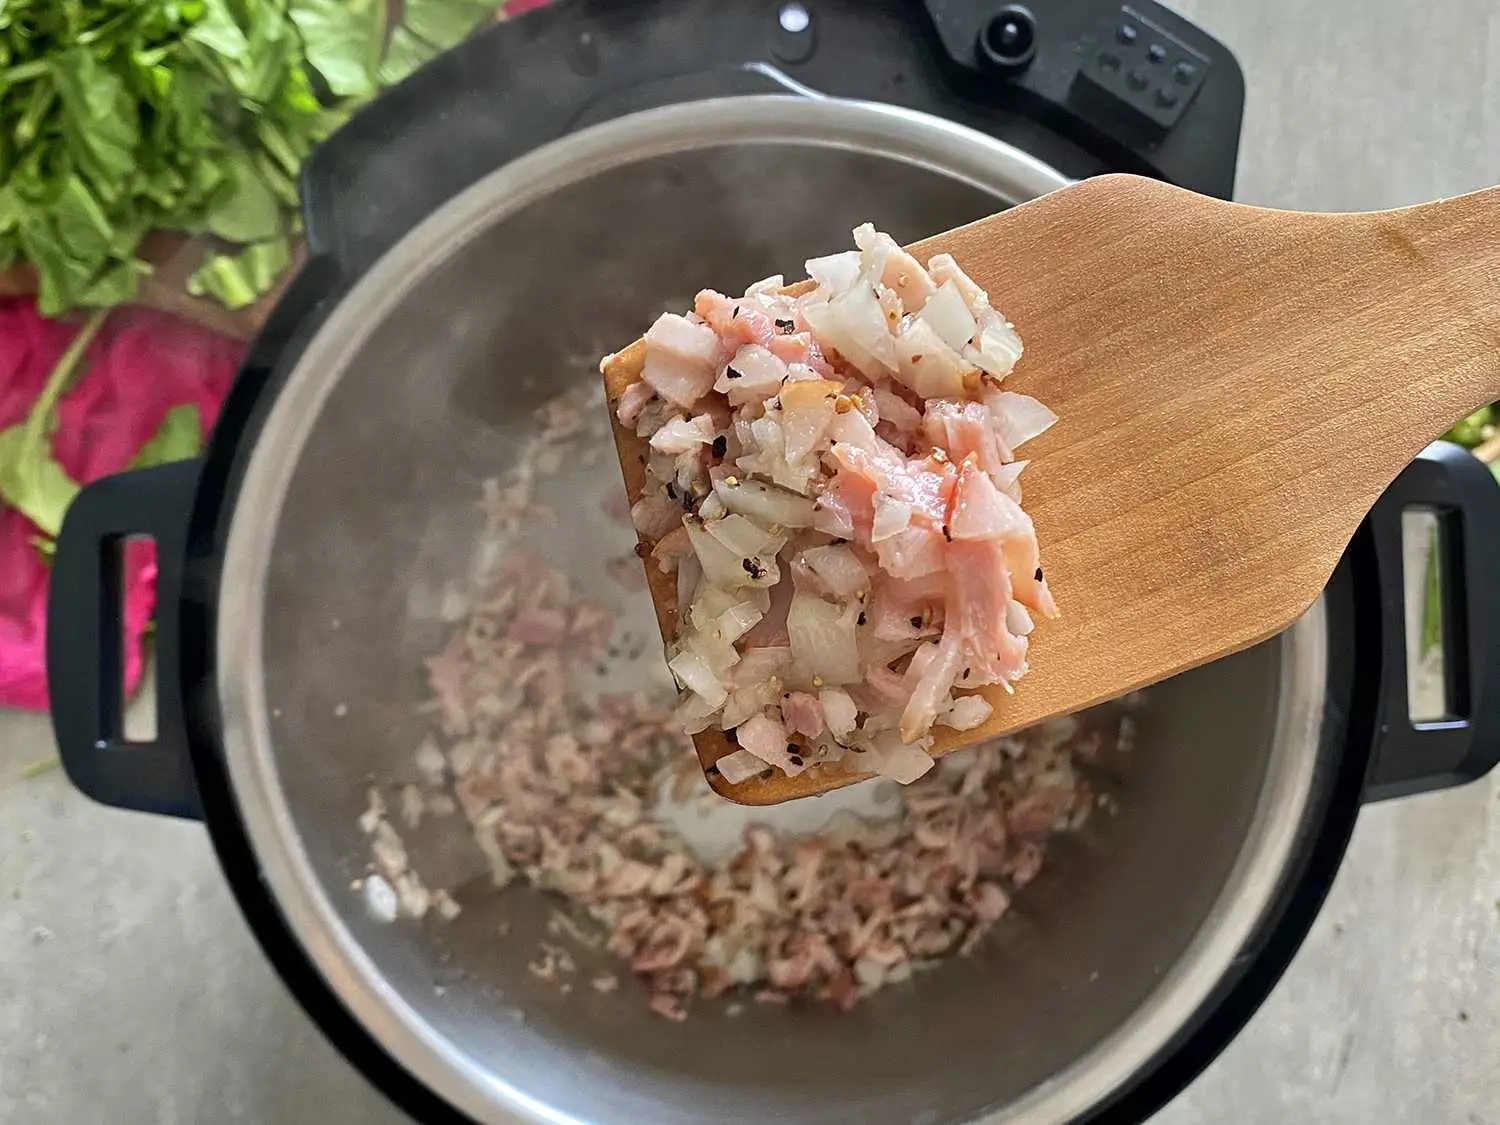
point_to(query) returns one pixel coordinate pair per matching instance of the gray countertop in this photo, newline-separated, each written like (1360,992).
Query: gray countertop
(131,991)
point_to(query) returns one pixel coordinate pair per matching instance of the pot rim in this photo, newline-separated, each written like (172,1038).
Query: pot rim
(895,133)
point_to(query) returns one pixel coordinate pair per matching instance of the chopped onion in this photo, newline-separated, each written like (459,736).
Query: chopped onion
(891,518)
(1018,620)
(926,364)
(823,641)
(866,324)
(695,714)
(766,285)
(759,664)
(743,537)
(712,508)
(836,272)
(738,620)
(1008,479)
(897,411)
(855,325)
(765,502)
(839,568)
(1019,417)
(902,763)
(967,712)
(693,673)
(997,349)
(839,712)
(768,440)
(711,602)
(680,435)
(753,373)
(745,703)
(807,408)
(739,766)
(852,428)
(689,575)
(765,737)
(721,566)
(949,316)
(716,652)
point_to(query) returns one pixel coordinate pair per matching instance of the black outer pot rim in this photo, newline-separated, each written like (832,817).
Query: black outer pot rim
(1349,716)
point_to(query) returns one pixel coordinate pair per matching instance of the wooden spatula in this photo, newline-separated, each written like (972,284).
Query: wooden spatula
(1236,387)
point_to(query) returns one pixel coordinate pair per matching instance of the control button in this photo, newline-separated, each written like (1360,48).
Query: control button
(1184,72)
(1156,54)
(1007,41)
(1167,97)
(1126,34)
(1138,78)
(794,38)
(1108,60)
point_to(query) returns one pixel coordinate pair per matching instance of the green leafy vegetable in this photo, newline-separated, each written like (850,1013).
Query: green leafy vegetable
(179,438)
(31,480)
(343,40)
(1476,429)
(428,28)
(119,117)
(1432,600)
(237,279)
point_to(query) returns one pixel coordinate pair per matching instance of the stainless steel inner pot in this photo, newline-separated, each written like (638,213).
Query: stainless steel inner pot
(354,540)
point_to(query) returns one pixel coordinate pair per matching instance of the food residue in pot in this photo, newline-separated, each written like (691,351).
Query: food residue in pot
(594,797)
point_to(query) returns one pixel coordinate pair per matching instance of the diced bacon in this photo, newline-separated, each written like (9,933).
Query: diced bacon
(942,268)
(846,508)
(634,399)
(802,714)
(654,516)
(905,419)
(807,409)
(907,609)
(979,587)
(982,511)
(930,677)
(682,359)
(765,737)
(735,320)
(961,429)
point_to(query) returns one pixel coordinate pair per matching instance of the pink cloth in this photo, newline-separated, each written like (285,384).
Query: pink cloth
(141,365)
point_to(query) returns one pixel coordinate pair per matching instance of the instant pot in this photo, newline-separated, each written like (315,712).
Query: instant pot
(476,239)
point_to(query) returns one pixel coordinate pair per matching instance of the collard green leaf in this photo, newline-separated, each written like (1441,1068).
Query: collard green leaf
(179,438)
(247,210)
(100,123)
(32,482)
(82,227)
(445,23)
(219,32)
(406,54)
(342,40)
(118,117)
(237,280)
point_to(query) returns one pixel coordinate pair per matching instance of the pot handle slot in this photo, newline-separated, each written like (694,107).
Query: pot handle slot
(85,641)
(1437,548)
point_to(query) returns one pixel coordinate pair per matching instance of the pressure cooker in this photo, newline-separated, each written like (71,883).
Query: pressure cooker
(476,239)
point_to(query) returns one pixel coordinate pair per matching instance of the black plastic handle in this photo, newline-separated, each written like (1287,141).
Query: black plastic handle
(85,641)
(1413,756)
